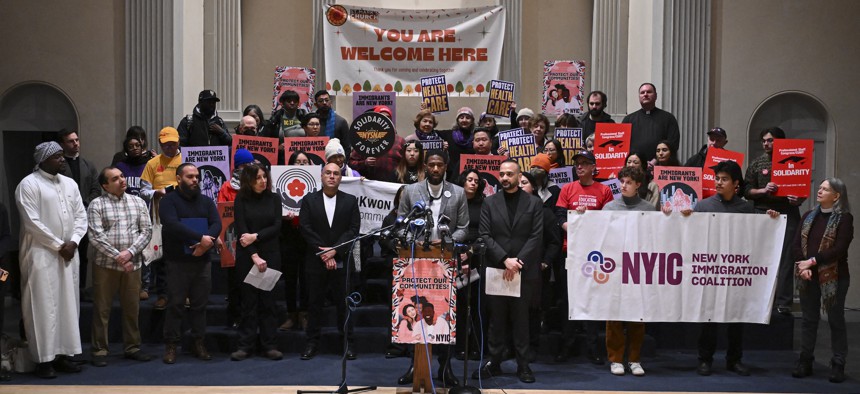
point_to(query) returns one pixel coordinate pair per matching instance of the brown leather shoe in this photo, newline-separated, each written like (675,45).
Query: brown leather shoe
(161,303)
(200,350)
(144,295)
(169,353)
(290,322)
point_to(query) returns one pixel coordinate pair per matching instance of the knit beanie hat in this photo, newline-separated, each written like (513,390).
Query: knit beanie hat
(541,160)
(467,111)
(333,148)
(242,156)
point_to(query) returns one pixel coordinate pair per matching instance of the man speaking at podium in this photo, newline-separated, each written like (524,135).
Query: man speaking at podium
(443,199)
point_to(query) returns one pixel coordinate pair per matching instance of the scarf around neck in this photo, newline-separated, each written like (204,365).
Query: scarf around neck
(828,274)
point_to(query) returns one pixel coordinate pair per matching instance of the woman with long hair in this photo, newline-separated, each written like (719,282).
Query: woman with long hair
(410,169)
(648,189)
(667,155)
(821,250)
(552,148)
(257,218)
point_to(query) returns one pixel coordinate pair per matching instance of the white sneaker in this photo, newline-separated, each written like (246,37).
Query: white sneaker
(617,369)
(636,369)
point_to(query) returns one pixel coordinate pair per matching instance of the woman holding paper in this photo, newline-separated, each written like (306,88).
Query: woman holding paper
(821,250)
(257,218)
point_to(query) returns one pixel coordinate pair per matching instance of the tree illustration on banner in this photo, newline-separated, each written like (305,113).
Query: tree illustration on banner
(389,88)
(398,87)
(408,89)
(327,86)
(479,89)
(336,86)
(356,87)
(366,87)
(377,88)
(450,88)
(459,88)
(346,89)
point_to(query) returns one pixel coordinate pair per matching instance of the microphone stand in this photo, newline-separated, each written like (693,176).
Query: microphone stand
(465,388)
(342,387)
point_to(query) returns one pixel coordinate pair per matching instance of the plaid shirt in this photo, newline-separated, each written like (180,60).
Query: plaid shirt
(118,224)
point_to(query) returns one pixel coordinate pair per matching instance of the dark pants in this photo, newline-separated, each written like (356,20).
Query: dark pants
(295,288)
(320,281)
(158,277)
(785,275)
(192,281)
(258,314)
(234,294)
(510,312)
(708,342)
(84,261)
(810,302)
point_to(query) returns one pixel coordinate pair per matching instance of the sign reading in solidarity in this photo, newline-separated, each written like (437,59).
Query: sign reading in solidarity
(652,267)
(292,183)
(298,79)
(611,145)
(423,301)
(390,50)
(792,167)
(714,157)
(501,98)
(563,81)
(372,134)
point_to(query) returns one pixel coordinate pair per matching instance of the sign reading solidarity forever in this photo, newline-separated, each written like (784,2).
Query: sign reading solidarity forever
(372,134)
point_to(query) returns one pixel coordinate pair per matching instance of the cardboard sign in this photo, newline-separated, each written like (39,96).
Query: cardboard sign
(434,92)
(366,101)
(313,146)
(488,168)
(214,165)
(571,143)
(501,98)
(615,185)
(611,146)
(522,149)
(228,234)
(431,145)
(561,176)
(715,156)
(791,168)
(680,187)
(292,183)
(423,303)
(298,79)
(264,149)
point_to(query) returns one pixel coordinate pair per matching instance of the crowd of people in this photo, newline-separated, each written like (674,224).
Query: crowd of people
(69,204)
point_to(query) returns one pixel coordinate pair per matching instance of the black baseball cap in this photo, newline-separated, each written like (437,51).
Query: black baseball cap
(718,131)
(208,95)
(586,154)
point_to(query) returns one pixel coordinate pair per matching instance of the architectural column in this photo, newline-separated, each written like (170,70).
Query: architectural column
(512,50)
(223,55)
(609,53)
(149,63)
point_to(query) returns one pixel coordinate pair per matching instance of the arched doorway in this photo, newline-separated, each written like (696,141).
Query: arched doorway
(30,113)
(802,116)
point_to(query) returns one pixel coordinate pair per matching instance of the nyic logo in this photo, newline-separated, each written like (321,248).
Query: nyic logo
(598,267)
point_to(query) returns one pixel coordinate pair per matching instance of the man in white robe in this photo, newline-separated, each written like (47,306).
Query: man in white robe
(53,221)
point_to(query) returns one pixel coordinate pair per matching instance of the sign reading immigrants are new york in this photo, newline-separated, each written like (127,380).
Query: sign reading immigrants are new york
(652,267)
(389,50)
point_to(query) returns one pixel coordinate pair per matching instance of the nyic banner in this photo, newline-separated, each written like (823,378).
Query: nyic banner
(375,200)
(389,50)
(652,267)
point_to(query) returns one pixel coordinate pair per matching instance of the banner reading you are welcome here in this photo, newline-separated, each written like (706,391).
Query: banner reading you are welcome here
(650,267)
(378,49)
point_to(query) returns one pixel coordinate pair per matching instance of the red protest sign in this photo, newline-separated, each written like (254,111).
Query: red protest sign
(714,156)
(264,149)
(611,145)
(791,167)
(228,234)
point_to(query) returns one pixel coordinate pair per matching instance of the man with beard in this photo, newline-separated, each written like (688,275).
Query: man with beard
(191,225)
(596,107)
(53,221)
(441,198)
(650,125)
(327,218)
(203,127)
(332,124)
(580,195)
(512,227)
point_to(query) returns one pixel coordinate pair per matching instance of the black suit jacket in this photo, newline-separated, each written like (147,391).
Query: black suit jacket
(522,239)
(314,226)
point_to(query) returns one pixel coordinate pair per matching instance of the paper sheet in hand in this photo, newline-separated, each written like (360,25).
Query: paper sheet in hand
(263,280)
(497,285)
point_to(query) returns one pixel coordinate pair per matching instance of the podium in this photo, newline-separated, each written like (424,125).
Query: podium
(422,375)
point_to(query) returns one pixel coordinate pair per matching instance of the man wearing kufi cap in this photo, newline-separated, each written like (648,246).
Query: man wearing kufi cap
(53,221)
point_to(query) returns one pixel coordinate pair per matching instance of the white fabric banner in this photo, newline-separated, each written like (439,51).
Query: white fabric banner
(375,200)
(650,267)
(378,49)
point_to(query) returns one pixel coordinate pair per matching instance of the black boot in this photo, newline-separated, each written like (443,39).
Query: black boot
(407,377)
(802,369)
(837,373)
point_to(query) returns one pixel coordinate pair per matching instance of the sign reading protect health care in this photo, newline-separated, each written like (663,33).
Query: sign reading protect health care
(389,50)
(652,267)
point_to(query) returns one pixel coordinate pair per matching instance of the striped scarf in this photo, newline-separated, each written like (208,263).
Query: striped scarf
(827,271)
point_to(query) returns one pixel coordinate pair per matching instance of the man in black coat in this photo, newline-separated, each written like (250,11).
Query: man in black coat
(512,227)
(204,127)
(327,218)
